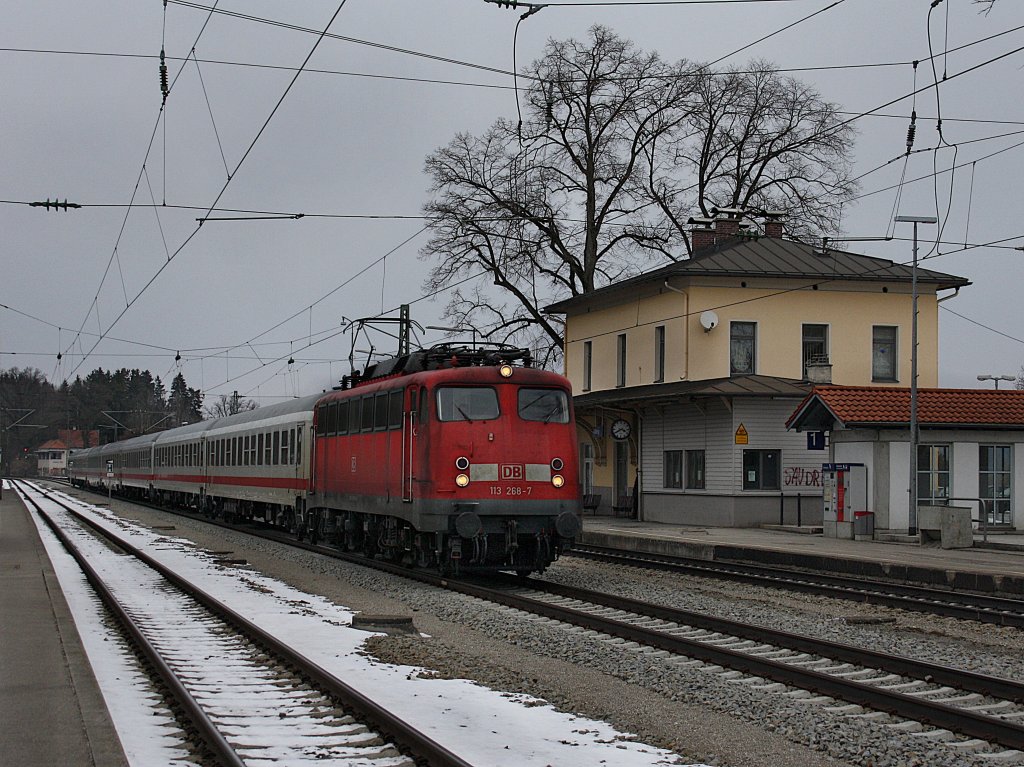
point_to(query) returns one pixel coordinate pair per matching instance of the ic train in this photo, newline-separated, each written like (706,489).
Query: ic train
(447,457)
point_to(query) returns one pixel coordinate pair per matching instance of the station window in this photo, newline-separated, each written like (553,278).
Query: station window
(659,354)
(883,353)
(814,345)
(620,361)
(588,364)
(673,463)
(762,469)
(695,478)
(742,348)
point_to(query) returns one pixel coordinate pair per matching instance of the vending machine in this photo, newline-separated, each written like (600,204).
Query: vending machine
(844,497)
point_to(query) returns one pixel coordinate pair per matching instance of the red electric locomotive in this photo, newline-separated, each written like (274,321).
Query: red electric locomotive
(449,457)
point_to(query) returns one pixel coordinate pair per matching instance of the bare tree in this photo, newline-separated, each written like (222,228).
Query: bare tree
(759,142)
(616,149)
(550,206)
(230,405)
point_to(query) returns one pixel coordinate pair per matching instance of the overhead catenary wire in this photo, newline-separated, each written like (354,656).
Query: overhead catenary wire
(224,188)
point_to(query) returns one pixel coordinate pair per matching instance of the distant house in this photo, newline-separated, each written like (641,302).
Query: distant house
(967,454)
(684,376)
(52,459)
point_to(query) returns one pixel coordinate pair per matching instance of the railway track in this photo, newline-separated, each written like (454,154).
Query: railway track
(248,697)
(973,712)
(1000,611)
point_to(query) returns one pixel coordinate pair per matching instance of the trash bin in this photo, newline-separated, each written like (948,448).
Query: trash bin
(863,525)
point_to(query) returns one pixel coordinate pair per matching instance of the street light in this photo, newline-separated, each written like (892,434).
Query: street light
(996,378)
(912,517)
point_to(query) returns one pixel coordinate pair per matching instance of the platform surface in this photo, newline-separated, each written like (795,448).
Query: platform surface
(997,567)
(51,709)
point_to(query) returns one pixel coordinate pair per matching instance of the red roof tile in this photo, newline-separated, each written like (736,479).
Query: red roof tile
(853,405)
(53,444)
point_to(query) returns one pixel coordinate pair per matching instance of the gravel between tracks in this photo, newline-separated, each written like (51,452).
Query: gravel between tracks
(699,715)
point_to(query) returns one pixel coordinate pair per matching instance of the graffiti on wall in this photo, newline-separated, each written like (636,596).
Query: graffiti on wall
(798,476)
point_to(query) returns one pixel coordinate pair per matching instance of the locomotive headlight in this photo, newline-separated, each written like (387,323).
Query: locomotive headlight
(558,480)
(557,464)
(462,480)
(462,463)
(505,371)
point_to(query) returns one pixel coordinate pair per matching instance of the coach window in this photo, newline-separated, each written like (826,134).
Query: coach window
(259,449)
(284,447)
(291,448)
(380,411)
(298,446)
(277,448)
(342,417)
(395,409)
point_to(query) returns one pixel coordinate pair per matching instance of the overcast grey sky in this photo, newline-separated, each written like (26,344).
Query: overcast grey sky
(352,147)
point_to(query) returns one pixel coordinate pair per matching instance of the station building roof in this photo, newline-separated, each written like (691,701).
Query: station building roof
(850,407)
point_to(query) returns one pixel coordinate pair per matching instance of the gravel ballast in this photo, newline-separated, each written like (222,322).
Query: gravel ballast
(702,715)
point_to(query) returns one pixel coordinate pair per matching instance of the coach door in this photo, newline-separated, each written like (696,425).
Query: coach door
(409,438)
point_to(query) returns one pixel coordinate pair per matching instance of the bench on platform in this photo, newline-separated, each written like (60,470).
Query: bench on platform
(590,502)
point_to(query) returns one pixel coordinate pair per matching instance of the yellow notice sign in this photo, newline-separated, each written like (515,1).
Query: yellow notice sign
(742,438)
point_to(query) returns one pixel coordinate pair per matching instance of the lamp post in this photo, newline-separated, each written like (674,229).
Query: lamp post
(996,378)
(912,517)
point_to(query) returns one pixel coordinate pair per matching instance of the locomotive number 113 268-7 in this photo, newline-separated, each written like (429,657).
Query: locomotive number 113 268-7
(510,490)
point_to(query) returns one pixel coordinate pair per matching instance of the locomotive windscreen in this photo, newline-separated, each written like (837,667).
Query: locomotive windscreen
(547,405)
(467,403)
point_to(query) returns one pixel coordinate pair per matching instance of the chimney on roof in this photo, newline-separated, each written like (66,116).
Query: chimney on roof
(773,223)
(727,222)
(701,234)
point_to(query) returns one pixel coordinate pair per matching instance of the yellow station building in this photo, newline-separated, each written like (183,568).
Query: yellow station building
(684,376)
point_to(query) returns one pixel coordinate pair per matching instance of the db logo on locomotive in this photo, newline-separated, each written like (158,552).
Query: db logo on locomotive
(510,471)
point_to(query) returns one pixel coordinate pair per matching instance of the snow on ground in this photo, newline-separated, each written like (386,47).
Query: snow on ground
(483,726)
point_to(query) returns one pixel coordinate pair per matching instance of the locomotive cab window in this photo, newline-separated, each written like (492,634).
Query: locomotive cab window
(322,412)
(467,403)
(546,405)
